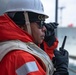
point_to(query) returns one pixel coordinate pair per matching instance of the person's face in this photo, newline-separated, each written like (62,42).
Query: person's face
(38,33)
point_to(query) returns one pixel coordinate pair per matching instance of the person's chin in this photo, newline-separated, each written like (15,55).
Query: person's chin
(41,40)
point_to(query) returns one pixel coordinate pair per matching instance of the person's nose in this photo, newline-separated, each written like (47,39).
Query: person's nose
(44,28)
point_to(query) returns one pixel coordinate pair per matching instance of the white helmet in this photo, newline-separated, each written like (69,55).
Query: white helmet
(22,5)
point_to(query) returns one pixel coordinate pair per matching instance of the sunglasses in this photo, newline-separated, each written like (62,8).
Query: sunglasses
(41,24)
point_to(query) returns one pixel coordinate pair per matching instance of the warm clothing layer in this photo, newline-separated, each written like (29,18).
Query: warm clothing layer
(10,31)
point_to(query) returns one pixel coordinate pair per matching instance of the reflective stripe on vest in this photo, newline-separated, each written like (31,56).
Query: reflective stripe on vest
(27,68)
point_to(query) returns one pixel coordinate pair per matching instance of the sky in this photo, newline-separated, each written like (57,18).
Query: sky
(68,14)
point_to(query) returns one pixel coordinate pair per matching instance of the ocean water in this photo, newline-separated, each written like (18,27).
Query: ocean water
(72,69)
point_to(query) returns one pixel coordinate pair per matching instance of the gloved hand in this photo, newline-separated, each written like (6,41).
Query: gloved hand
(61,62)
(50,33)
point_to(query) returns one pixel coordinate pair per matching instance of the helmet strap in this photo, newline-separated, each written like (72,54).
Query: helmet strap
(27,22)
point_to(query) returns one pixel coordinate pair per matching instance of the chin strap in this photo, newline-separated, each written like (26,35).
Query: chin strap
(27,22)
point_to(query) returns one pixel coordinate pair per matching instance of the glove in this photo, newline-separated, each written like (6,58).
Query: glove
(61,62)
(50,33)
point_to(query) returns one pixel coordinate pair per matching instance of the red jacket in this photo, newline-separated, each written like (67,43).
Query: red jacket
(17,59)
(50,50)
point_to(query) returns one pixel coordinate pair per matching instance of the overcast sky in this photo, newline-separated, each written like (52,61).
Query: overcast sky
(68,15)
